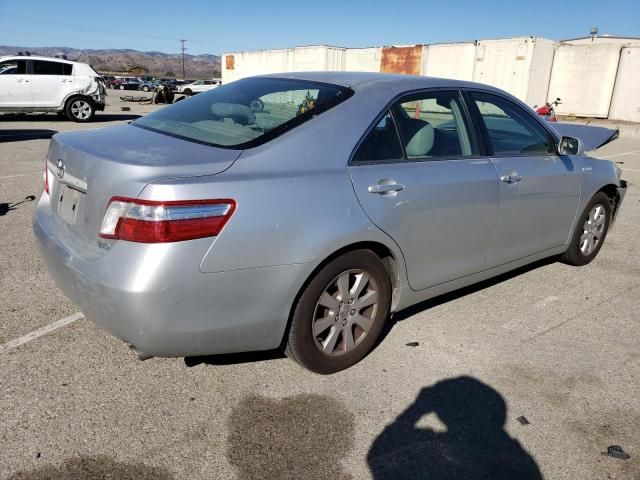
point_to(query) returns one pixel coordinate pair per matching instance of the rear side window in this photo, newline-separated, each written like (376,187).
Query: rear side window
(432,125)
(381,144)
(511,130)
(13,67)
(245,113)
(41,67)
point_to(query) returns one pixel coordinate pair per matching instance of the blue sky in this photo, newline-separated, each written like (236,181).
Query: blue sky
(218,27)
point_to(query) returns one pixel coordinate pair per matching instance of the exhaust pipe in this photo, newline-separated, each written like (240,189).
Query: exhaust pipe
(141,355)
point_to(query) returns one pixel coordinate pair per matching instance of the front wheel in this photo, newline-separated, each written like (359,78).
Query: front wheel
(187,92)
(590,231)
(79,109)
(340,313)
(145,89)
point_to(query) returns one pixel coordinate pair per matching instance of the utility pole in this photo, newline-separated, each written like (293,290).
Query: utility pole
(183,48)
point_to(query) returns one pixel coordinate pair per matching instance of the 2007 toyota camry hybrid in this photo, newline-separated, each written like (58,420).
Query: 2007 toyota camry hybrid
(298,211)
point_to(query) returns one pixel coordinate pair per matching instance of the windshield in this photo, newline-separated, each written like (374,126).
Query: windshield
(245,113)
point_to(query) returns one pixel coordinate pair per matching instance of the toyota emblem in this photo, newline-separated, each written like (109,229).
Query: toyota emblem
(60,169)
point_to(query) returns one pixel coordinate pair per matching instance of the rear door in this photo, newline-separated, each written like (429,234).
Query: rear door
(15,84)
(51,82)
(420,178)
(539,190)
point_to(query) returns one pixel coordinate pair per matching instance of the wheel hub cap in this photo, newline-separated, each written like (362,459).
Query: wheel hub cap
(593,230)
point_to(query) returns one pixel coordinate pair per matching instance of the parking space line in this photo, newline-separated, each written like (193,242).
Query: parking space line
(619,154)
(20,175)
(630,170)
(39,332)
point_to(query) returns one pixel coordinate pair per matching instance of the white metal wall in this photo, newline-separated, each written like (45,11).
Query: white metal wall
(449,60)
(582,73)
(583,77)
(625,102)
(363,59)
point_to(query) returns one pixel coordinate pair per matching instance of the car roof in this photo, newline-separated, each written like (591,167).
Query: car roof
(354,79)
(36,57)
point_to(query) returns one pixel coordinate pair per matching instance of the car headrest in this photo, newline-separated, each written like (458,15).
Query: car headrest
(239,113)
(420,137)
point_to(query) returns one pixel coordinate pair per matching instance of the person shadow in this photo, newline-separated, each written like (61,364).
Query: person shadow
(473,446)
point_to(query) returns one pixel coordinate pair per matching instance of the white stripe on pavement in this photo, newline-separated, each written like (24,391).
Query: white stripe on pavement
(619,154)
(20,175)
(39,332)
(629,170)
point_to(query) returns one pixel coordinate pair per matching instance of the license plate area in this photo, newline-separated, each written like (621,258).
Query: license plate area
(69,204)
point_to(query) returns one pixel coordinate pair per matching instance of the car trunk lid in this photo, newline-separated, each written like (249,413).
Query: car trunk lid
(86,169)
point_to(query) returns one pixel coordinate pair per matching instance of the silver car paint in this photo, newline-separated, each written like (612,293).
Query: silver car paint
(296,207)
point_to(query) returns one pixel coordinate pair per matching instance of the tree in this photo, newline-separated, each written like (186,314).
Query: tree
(169,74)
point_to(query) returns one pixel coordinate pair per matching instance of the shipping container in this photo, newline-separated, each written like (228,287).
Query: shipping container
(604,39)
(406,60)
(245,64)
(625,101)
(449,60)
(363,59)
(583,77)
(318,58)
(521,66)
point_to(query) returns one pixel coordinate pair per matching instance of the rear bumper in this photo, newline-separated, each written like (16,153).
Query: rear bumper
(155,297)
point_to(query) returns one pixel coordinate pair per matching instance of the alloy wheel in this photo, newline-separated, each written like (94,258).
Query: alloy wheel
(345,312)
(593,229)
(81,109)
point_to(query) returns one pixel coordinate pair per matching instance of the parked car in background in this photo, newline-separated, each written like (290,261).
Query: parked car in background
(197,87)
(44,84)
(148,85)
(207,227)
(129,84)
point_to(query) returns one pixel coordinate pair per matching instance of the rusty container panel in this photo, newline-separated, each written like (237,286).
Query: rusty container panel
(405,60)
(230,62)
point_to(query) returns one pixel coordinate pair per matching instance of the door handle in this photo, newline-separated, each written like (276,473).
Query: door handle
(385,188)
(511,178)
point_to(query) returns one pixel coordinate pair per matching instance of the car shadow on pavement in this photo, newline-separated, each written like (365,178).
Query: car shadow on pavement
(18,135)
(472,446)
(97,467)
(234,358)
(456,294)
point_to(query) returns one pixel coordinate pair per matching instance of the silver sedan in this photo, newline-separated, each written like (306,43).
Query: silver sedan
(299,211)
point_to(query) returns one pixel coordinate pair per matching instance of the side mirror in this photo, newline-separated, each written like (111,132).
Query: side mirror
(570,146)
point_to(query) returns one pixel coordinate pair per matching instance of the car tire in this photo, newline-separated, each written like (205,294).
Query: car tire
(327,334)
(590,231)
(121,87)
(188,92)
(145,89)
(79,109)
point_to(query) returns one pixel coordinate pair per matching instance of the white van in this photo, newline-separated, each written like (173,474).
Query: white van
(44,84)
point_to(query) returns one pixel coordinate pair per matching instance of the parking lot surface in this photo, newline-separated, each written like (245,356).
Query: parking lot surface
(539,368)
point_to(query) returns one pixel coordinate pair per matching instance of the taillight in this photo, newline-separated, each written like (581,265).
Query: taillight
(45,177)
(148,221)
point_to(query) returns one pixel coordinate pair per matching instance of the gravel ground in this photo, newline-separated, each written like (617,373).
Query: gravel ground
(555,344)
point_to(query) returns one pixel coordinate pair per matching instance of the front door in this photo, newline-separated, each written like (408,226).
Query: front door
(420,179)
(15,84)
(539,190)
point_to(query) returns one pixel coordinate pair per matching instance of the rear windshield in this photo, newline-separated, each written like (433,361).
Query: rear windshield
(245,113)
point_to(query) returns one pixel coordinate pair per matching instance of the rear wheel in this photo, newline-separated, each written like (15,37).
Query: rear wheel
(145,89)
(340,314)
(79,109)
(187,91)
(590,231)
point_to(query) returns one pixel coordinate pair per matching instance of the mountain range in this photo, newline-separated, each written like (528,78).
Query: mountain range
(119,60)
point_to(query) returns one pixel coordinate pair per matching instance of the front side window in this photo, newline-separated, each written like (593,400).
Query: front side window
(245,113)
(433,125)
(510,129)
(13,67)
(381,144)
(41,67)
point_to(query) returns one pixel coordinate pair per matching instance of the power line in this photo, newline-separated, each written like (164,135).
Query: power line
(183,48)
